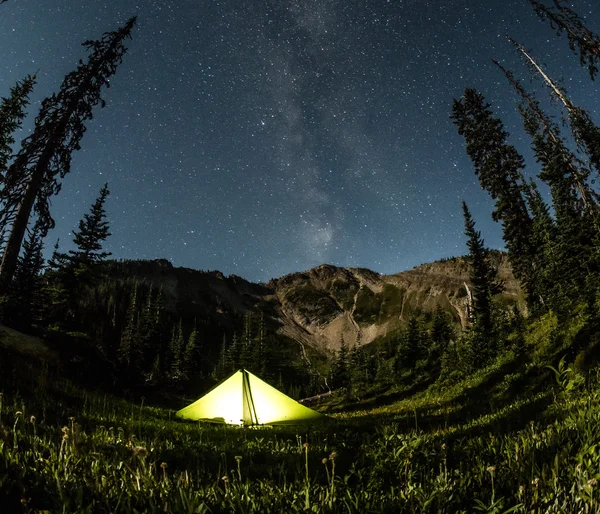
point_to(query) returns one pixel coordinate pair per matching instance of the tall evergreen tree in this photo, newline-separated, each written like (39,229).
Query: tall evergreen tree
(45,155)
(568,171)
(192,353)
(12,112)
(585,132)
(176,349)
(26,298)
(340,374)
(499,168)
(581,39)
(93,231)
(128,352)
(485,283)
(441,329)
(543,239)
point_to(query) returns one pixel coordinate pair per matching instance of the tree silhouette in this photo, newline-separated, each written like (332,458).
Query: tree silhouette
(45,155)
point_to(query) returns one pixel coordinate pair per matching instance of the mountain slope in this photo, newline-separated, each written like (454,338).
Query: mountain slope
(319,307)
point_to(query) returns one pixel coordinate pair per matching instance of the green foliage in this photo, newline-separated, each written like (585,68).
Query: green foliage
(442,450)
(499,168)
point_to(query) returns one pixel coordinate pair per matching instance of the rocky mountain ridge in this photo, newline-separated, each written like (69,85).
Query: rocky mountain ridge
(322,306)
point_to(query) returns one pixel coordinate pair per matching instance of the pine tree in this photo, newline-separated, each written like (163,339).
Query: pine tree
(176,349)
(411,348)
(340,375)
(543,239)
(485,285)
(54,290)
(26,298)
(45,155)
(128,352)
(192,353)
(441,330)
(585,132)
(93,230)
(570,261)
(581,39)
(571,175)
(221,368)
(12,112)
(499,168)
(232,360)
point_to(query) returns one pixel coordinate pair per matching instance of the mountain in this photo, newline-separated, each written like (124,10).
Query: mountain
(320,306)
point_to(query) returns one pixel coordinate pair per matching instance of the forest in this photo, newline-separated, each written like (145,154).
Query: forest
(498,414)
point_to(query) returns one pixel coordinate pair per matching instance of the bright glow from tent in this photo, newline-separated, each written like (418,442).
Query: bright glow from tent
(245,399)
(272,406)
(223,404)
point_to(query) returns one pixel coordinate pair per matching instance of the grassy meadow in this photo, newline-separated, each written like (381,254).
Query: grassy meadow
(513,437)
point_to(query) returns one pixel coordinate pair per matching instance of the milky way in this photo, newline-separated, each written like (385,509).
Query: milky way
(261,138)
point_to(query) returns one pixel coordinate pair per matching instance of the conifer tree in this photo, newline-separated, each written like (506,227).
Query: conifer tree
(485,284)
(176,349)
(581,39)
(26,298)
(128,352)
(543,239)
(575,205)
(340,375)
(54,290)
(585,132)
(45,155)
(93,231)
(441,330)
(232,361)
(221,367)
(12,112)
(191,354)
(499,168)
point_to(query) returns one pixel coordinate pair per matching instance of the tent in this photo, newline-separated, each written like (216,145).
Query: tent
(244,399)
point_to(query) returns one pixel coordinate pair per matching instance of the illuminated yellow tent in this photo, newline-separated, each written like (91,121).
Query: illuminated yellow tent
(244,399)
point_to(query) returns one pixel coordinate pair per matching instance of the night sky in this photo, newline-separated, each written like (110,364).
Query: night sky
(265,137)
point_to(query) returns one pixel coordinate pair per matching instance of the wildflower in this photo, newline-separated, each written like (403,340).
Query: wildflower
(65,437)
(592,482)
(578,468)
(532,422)
(491,469)
(32,420)
(535,482)
(305,445)
(324,461)
(521,489)
(163,465)
(65,430)
(444,446)
(225,478)
(71,419)
(18,413)
(333,455)
(140,451)
(238,458)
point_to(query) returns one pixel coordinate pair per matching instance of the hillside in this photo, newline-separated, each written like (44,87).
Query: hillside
(320,306)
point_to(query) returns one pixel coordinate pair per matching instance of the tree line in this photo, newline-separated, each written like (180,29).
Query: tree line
(553,246)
